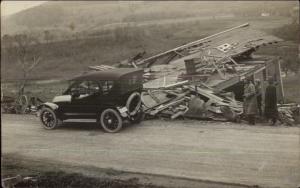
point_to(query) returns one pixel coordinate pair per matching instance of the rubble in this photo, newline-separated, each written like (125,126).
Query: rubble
(287,113)
(164,102)
(19,105)
(186,101)
(212,70)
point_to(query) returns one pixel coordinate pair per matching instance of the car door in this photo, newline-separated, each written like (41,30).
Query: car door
(109,94)
(86,104)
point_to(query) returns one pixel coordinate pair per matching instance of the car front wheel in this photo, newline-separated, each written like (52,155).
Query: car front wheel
(111,120)
(48,118)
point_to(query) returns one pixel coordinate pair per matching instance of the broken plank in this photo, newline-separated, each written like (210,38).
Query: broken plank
(161,108)
(219,72)
(153,97)
(176,115)
(176,84)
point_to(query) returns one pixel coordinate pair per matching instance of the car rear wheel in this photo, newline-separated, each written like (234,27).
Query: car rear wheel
(111,120)
(48,118)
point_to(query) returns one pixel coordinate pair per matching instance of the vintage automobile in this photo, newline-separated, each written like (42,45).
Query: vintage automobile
(109,96)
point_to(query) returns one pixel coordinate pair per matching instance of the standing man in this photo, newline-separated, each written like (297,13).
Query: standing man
(250,101)
(271,111)
(258,95)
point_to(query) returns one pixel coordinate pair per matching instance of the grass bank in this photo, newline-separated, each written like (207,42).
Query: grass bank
(49,175)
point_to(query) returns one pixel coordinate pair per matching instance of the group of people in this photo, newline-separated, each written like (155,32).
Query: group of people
(253,101)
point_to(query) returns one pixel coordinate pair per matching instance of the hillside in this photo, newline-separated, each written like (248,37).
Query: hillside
(59,16)
(104,32)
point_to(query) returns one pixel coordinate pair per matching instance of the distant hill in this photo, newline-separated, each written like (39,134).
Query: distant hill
(78,16)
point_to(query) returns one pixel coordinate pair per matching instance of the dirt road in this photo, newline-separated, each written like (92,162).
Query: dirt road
(221,152)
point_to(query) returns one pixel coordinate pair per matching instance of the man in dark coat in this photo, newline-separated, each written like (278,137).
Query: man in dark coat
(250,101)
(271,111)
(258,96)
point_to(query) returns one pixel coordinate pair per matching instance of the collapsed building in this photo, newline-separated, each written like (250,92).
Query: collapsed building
(203,79)
(219,61)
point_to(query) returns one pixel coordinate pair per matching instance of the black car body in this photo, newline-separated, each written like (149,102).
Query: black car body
(91,94)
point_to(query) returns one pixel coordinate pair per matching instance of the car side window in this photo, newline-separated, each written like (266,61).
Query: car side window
(83,87)
(106,86)
(93,88)
(86,88)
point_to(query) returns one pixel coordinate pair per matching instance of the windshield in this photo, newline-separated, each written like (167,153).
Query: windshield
(70,84)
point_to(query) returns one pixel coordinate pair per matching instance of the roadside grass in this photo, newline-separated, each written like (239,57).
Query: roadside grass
(50,174)
(44,91)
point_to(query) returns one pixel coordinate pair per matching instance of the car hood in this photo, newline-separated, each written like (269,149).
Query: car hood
(62,98)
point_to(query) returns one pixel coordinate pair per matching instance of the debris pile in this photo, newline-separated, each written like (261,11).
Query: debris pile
(287,113)
(165,102)
(225,68)
(192,102)
(19,105)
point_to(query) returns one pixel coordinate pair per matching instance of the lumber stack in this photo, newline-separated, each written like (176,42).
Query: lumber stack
(184,100)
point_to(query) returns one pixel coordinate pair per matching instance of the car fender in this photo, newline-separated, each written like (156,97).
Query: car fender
(50,105)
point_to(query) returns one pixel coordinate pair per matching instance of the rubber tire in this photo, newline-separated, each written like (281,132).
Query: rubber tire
(129,101)
(120,123)
(45,109)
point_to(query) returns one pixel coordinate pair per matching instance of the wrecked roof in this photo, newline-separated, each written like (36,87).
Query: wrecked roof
(231,42)
(218,60)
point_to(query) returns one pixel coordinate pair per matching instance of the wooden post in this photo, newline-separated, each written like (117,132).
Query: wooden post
(278,75)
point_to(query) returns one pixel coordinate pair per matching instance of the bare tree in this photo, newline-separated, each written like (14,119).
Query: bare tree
(24,50)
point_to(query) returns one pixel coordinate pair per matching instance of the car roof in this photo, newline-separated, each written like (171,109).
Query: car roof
(110,74)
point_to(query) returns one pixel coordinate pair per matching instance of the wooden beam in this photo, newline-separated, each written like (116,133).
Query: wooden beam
(218,70)
(179,53)
(156,111)
(176,84)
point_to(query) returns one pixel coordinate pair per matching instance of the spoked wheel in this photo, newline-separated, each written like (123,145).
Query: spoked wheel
(111,121)
(48,118)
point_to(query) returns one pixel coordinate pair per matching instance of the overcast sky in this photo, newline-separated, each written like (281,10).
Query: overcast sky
(11,7)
